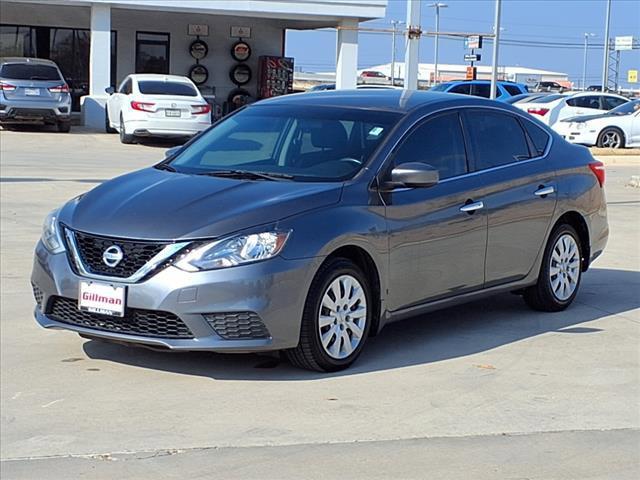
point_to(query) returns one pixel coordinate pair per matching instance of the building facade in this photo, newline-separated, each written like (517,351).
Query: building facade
(97,43)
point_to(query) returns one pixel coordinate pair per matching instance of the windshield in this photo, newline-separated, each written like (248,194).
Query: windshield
(24,71)
(154,87)
(302,143)
(440,88)
(626,108)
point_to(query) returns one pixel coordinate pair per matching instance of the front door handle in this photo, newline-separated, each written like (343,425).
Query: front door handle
(544,191)
(471,207)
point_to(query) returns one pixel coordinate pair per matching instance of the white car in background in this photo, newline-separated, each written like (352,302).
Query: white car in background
(148,105)
(617,128)
(553,108)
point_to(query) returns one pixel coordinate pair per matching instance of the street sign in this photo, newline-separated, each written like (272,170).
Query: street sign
(473,41)
(632,76)
(471,73)
(624,43)
(472,57)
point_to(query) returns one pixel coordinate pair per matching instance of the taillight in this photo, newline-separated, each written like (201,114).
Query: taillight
(538,111)
(142,106)
(598,170)
(7,87)
(201,109)
(64,88)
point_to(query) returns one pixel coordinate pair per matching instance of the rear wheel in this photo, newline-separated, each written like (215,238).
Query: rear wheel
(560,272)
(336,318)
(124,136)
(611,138)
(64,126)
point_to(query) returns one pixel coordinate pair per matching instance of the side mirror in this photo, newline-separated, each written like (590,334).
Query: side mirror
(413,175)
(110,90)
(172,151)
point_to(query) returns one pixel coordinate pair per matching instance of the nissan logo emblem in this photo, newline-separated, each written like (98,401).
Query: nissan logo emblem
(112,256)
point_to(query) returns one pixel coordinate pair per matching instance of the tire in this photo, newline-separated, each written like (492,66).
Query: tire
(310,354)
(107,126)
(64,127)
(125,137)
(549,293)
(611,137)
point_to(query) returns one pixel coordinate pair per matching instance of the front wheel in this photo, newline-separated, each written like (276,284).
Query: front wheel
(560,272)
(336,318)
(64,126)
(107,124)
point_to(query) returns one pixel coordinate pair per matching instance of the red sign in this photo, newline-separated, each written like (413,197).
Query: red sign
(276,76)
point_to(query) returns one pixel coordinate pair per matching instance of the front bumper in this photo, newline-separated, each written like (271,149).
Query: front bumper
(275,290)
(580,136)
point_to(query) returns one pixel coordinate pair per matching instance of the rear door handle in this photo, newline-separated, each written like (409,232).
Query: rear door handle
(471,207)
(544,191)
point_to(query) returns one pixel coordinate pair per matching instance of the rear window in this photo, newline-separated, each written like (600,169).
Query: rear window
(154,87)
(547,99)
(24,71)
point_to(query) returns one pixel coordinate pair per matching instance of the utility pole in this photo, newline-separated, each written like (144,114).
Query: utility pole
(437,6)
(605,62)
(413,44)
(496,42)
(584,63)
(393,50)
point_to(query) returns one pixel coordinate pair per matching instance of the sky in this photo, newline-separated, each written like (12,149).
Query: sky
(522,21)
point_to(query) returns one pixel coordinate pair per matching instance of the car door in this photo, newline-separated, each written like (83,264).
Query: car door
(117,100)
(436,248)
(519,192)
(634,129)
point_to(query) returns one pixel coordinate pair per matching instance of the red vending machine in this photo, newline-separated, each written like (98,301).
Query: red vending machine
(276,76)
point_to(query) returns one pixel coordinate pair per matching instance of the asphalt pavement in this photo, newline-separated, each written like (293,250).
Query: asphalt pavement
(486,390)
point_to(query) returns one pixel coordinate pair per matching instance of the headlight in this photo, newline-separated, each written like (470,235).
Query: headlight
(579,125)
(51,233)
(234,251)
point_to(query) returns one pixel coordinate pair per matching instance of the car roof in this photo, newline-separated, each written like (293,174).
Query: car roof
(27,60)
(590,94)
(500,82)
(400,101)
(159,77)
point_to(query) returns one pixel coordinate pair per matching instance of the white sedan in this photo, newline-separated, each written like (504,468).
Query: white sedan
(618,128)
(553,108)
(156,105)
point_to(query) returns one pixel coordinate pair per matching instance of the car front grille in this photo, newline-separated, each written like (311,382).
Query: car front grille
(237,325)
(135,254)
(148,323)
(38,295)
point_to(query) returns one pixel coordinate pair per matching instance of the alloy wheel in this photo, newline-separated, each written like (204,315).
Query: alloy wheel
(611,139)
(342,317)
(564,271)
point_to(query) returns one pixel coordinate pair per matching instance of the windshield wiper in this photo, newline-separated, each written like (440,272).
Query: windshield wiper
(165,166)
(248,174)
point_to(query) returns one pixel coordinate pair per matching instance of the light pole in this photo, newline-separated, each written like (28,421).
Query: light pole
(605,61)
(584,63)
(496,42)
(393,50)
(437,6)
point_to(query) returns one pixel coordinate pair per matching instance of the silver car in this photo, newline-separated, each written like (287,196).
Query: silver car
(33,91)
(306,223)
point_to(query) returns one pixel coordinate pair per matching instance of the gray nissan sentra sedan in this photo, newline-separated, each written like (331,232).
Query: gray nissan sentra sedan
(307,222)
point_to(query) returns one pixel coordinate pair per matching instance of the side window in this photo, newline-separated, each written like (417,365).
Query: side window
(512,90)
(609,103)
(496,138)
(538,136)
(482,90)
(463,88)
(438,142)
(588,101)
(125,88)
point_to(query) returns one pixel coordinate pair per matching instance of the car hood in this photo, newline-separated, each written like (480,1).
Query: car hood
(154,204)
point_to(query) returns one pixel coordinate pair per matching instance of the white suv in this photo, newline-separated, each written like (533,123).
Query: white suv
(156,105)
